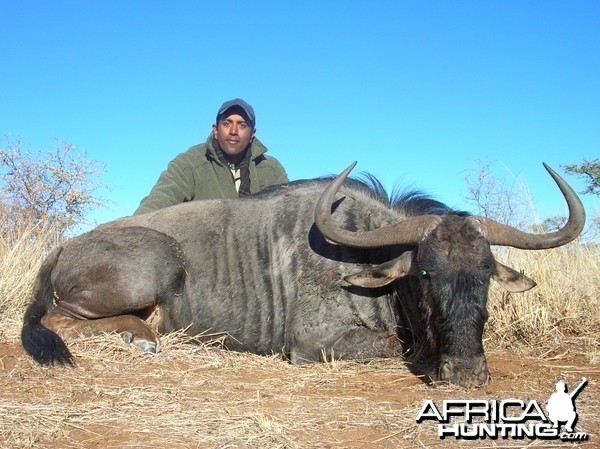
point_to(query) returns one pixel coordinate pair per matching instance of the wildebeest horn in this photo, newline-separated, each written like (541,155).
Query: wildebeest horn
(500,234)
(409,232)
(412,231)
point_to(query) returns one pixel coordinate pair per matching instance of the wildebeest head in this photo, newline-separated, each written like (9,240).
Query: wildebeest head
(454,264)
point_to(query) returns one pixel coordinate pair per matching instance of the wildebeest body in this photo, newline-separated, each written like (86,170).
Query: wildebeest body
(256,269)
(260,270)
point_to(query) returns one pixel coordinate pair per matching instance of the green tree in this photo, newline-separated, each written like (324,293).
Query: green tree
(590,170)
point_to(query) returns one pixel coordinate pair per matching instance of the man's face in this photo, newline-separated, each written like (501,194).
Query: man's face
(234,133)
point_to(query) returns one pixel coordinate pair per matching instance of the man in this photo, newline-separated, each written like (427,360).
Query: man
(561,405)
(231,163)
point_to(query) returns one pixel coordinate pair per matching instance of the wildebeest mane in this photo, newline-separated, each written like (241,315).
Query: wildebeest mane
(409,201)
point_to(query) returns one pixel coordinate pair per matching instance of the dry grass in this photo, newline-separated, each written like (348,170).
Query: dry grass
(560,313)
(192,395)
(22,250)
(189,396)
(198,395)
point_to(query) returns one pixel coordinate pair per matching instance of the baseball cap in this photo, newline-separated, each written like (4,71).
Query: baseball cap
(238,102)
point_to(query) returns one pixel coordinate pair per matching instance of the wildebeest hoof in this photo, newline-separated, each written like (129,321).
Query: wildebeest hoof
(127,337)
(146,346)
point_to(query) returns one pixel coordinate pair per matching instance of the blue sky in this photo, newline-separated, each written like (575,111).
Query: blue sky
(414,91)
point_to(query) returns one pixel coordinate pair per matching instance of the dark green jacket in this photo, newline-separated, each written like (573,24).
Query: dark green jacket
(198,174)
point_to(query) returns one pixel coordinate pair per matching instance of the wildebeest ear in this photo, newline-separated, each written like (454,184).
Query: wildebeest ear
(512,280)
(383,274)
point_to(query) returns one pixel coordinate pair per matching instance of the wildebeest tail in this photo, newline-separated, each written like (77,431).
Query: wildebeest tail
(44,345)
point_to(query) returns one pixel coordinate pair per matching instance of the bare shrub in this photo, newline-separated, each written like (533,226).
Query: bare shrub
(56,187)
(496,197)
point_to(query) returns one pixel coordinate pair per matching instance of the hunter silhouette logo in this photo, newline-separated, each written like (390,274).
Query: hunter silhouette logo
(507,419)
(561,405)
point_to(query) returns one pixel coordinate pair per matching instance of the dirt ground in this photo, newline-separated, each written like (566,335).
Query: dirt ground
(195,396)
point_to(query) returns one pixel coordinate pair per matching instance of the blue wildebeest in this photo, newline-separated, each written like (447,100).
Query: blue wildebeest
(303,269)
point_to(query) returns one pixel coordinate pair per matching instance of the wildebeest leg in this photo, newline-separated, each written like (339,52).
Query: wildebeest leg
(359,343)
(363,343)
(134,329)
(109,279)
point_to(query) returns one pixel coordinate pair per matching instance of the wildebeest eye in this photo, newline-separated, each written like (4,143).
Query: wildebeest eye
(426,274)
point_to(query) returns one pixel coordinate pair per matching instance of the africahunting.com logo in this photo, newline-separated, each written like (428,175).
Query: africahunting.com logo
(507,419)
